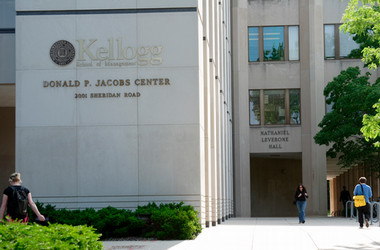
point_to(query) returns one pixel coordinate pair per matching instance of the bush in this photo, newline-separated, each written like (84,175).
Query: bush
(116,223)
(15,235)
(175,221)
(166,221)
(109,221)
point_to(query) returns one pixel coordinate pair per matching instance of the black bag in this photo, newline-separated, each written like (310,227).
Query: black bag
(20,202)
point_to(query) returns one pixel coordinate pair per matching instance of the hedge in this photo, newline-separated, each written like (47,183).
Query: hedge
(164,221)
(16,235)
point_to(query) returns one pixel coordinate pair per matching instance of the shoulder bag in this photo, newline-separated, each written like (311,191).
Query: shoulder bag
(360,199)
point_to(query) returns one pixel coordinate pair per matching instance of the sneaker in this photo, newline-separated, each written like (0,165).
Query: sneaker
(303,222)
(366,223)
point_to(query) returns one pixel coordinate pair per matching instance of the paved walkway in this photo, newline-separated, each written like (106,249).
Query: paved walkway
(272,234)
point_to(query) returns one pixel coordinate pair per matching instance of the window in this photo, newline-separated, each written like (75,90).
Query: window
(275,43)
(293,43)
(253,44)
(338,45)
(254,106)
(278,107)
(294,106)
(346,44)
(329,41)
(274,106)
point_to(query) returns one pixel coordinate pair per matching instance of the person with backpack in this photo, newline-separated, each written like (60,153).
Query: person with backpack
(16,199)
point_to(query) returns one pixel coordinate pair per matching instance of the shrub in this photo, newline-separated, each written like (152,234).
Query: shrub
(166,221)
(174,221)
(15,235)
(116,223)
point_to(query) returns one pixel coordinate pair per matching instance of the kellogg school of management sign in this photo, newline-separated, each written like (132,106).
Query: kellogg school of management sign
(111,54)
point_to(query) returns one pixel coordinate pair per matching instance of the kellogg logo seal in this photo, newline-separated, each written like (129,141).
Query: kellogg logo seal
(62,52)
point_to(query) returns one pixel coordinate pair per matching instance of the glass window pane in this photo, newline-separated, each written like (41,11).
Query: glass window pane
(329,41)
(294,106)
(273,43)
(293,43)
(274,106)
(346,44)
(253,43)
(7,14)
(254,107)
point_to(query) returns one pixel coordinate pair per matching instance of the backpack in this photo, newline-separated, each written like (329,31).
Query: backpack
(20,202)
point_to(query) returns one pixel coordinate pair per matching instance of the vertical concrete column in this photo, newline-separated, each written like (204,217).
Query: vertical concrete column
(361,172)
(351,182)
(218,60)
(332,196)
(375,188)
(337,193)
(228,96)
(214,114)
(345,179)
(312,101)
(221,124)
(7,144)
(240,99)
(206,118)
(371,180)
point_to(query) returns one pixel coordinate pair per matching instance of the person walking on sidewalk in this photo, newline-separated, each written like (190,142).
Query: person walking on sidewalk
(344,196)
(363,189)
(300,197)
(11,203)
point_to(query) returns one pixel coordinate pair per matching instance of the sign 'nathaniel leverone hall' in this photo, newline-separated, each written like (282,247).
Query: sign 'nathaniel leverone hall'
(110,104)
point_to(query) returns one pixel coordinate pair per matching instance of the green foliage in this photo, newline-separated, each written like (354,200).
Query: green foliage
(147,209)
(362,19)
(15,235)
(166,221)
(109,221)
(351,96)
(174,221)
(371,126)
(116,223)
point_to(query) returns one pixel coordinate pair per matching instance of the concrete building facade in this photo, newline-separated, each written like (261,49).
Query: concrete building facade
(123,103)
(214,103)
(284,54)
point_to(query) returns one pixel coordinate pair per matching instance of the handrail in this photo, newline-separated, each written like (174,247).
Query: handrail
(372,204)
(351,203)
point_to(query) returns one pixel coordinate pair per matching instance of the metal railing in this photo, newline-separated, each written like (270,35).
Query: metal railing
(374,211)
(351,204)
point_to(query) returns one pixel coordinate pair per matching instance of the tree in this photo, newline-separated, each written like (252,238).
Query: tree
(351,95)
(362,19)
(371,127)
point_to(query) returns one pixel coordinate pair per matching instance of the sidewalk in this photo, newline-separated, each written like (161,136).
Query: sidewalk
(272,234)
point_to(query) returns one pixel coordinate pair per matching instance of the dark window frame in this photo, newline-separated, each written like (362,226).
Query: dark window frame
(336,43)
(287,108)
(286,44)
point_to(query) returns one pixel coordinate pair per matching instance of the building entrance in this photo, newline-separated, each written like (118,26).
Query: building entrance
(274,180)
(7,144)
